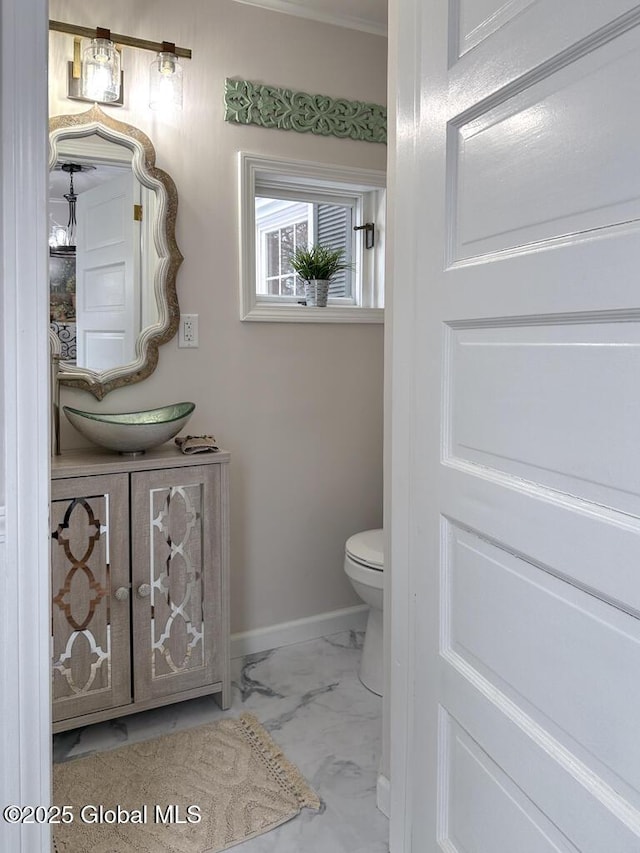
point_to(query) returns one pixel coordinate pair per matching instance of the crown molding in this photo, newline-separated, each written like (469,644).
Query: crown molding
(303,10)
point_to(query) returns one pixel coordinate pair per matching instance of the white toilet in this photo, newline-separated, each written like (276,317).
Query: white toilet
(364,566)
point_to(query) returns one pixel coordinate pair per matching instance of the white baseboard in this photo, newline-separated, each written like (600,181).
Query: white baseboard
(287,633)
(383,795)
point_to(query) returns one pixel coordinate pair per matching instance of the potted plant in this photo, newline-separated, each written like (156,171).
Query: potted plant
(316,264)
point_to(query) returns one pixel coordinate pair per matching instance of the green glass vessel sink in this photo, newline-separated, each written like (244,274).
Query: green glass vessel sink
(131,432)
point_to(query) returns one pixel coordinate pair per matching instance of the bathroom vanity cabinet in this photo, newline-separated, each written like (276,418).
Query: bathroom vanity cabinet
(139,582)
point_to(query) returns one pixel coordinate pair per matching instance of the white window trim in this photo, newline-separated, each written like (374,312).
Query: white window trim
(254,168)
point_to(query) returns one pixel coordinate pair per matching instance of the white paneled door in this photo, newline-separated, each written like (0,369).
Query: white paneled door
(519,193)
(107,298)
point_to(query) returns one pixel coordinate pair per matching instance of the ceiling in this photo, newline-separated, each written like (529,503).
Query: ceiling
(85,180)
(370,16)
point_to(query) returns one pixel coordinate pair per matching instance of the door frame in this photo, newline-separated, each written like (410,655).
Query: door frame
(406,90)
(25,771)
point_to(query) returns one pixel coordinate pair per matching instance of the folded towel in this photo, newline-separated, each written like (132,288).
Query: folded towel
(197,444)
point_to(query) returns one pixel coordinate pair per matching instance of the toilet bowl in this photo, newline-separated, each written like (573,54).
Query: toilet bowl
(364,566)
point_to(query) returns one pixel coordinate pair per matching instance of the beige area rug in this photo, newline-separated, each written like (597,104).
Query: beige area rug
(232,772)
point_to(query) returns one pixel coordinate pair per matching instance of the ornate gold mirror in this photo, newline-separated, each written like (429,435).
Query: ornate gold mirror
(113,253)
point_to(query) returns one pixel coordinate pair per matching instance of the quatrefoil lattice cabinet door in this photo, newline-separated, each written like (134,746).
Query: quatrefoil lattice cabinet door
(176,597)
(90,618)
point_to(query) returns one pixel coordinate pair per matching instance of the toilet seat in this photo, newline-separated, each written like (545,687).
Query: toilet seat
(364,566)
(363,574)
(367,549)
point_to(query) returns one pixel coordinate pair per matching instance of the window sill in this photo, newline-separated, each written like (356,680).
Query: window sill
(267,313)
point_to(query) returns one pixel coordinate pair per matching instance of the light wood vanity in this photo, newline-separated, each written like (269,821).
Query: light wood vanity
(139,582)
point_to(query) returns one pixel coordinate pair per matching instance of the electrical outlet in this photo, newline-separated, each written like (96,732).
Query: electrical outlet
(188,334)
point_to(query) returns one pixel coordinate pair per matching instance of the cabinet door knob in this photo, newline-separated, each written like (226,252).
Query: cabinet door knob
(144,590)
(122,593)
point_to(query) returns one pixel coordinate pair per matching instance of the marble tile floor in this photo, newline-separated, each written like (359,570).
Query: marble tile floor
(309,698)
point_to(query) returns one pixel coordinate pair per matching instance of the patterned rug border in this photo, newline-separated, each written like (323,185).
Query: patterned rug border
(289,775)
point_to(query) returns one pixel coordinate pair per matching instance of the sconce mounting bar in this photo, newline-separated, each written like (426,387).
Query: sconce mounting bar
(118,38)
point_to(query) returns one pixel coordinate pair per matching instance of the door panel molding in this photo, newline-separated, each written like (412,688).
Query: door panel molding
(585,536)
(466,36)
(572,29)
(547,622)
(476,785)
(490,146)
(527,753)
(497,402)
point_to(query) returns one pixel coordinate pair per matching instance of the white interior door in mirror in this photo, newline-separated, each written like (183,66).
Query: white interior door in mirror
(107,299)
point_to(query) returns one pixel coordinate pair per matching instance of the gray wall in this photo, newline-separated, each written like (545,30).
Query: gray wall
(299,407)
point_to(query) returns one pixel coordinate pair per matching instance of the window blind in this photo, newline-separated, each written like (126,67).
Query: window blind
(334,229)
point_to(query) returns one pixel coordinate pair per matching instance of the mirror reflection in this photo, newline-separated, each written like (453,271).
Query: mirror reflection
(113,256)
(102,257)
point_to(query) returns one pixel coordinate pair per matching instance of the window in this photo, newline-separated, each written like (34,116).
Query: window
(287,204)
(281,228)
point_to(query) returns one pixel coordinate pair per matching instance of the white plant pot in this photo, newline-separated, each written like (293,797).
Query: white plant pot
(316,292)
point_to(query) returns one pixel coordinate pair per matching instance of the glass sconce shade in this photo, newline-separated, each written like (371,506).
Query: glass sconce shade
(165,82)
(101,71)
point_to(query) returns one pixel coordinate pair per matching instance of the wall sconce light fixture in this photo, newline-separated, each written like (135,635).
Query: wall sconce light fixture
(165,79)
(101,69)
(98,77)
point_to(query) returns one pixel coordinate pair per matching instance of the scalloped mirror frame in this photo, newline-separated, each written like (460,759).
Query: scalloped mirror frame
(150,338)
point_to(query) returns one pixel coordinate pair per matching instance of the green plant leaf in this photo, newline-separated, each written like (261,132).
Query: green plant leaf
(318,262)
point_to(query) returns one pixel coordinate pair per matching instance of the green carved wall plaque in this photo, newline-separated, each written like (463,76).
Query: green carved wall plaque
(267,106)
